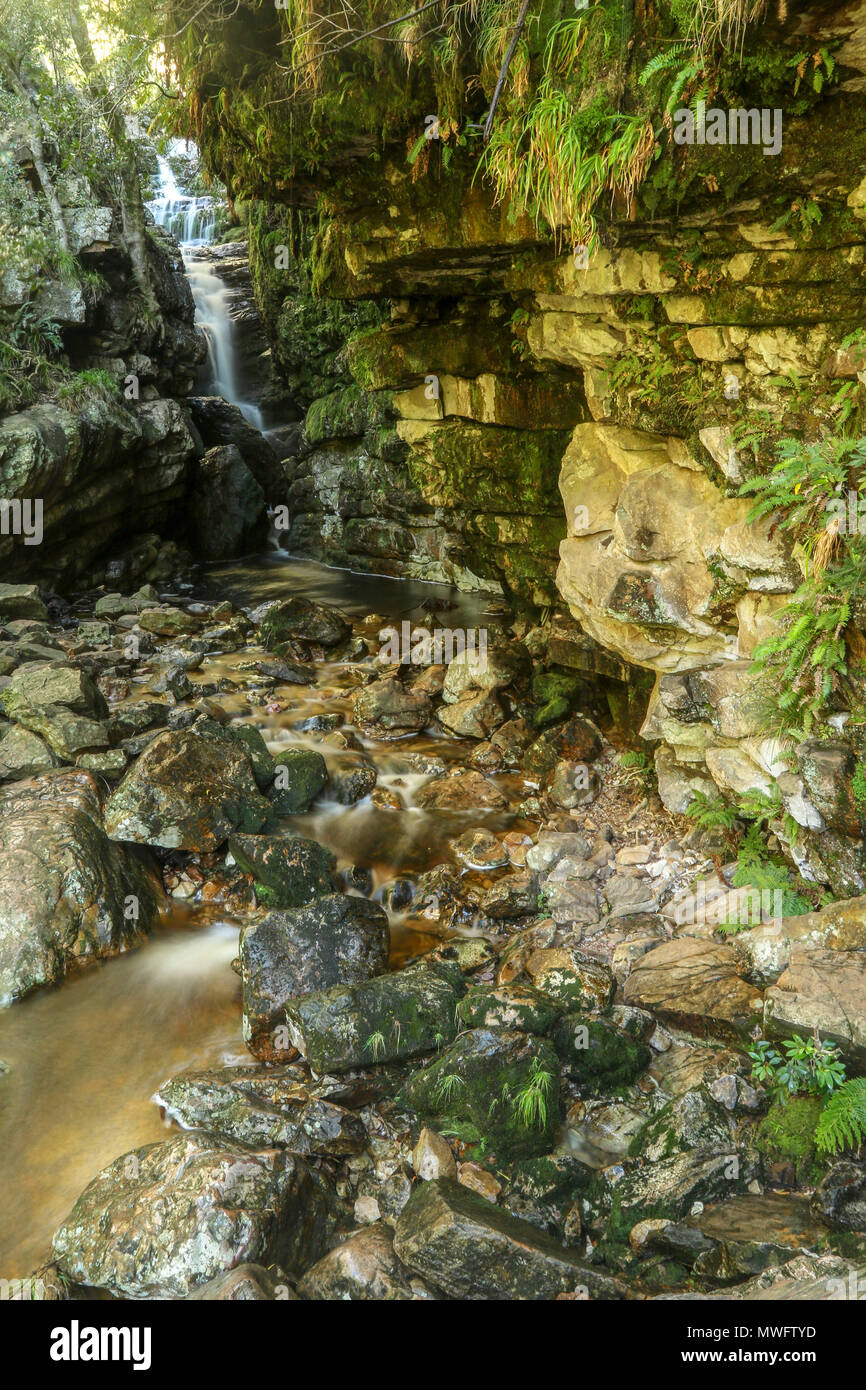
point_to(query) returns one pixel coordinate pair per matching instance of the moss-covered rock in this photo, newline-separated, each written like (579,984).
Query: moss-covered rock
(786,1140)
(496,1088)
(596,1055)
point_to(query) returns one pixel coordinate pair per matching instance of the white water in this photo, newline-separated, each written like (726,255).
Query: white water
(193,220)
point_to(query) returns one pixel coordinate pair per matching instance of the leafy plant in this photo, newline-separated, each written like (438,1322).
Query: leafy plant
(375,1044)
(808,1067)
(711,812)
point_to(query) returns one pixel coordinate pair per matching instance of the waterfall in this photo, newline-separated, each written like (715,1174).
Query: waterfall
(192,220)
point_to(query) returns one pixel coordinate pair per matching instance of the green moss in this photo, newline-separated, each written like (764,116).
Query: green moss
(598,1057)
(787,1135)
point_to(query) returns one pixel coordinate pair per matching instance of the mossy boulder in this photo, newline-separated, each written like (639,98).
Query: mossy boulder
(596,1055)
(300,619)
(403,1014)
(507,1006)
(287,872)
(299,776)
(497,1088)
(249,738)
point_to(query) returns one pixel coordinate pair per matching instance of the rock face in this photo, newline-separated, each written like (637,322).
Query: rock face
(697,985)
(186,792)
(229,514)
(66,892)
(336,940)
(471,1250)
(165,1219)
(362,1268)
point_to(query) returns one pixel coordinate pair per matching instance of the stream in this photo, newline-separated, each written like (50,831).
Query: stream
(84,1059)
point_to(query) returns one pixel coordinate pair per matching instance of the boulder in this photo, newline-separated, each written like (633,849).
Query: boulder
(246,1283)
(286,872)
(402,1014)
(363,1267)
(299,776)
(23,754)
(59,702)
(336,940)
(597,1056)
(507,1006)
(696,985)
(187,792)
(161,1221)
(470,1249)
(300,619)
(66,892)
(21,601)
(824,990)
(228,509)
(388,710)
(468,791)
(262,1107)
(494,1085)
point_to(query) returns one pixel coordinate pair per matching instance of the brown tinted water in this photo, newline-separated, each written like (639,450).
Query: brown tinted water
(84,1059)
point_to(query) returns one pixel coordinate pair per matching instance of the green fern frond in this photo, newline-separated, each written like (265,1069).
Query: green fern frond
(843,1120)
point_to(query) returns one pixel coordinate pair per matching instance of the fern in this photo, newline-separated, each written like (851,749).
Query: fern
(843,1120)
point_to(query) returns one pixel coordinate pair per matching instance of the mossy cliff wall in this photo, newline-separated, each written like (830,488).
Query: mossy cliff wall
(484,404)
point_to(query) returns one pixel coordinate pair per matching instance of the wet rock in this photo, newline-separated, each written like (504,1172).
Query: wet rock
(432,1157)
(300,619)
(577,740)
(187,792)
(299,776)
(840,1198)
(248,1283)
(513,895)
(468,791)
(287,672)
(480,1181)
(363,1267)
(573,784)
(476,715)
(462,1244)
(21,601)
(554,845)
(137,718)
(748,1234)
(387,710)
(287,872)
(824,990)
(571,977)
(165,1219)
(479,849)
(840,926)
(167,621)
(542,1190)
(228,509)
(494,668)
(262,1107)
(507,1006)
(693,1121)
(23,754)
(66,892)
(402,1014)
(597,1056)
(494,1085)
(699,1175)
(59,702)
(336,940)
(571,902)
(352,783)
(245,736)
(696,985)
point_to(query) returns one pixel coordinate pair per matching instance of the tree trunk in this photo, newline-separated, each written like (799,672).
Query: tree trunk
(131,206)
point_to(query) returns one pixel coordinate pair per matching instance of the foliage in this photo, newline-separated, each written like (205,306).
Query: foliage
(805,1066)
(711,812)
(843,1120)
(530,1101)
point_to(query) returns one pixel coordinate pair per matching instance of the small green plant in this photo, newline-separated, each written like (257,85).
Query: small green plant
(808,1067)
(530,1101)
(711,812)
(375,1044)
(447,1088)
(843,1120)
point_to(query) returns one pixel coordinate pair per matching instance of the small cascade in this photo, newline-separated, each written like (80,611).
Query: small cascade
(192,220)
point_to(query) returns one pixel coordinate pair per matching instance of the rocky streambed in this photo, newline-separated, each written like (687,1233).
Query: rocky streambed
(331,977)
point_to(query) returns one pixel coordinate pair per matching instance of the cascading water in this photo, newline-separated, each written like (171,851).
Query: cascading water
(192,220)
